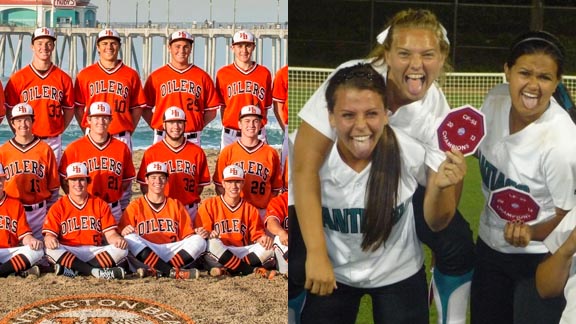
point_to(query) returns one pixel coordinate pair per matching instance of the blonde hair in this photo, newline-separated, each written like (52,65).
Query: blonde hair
(411,18)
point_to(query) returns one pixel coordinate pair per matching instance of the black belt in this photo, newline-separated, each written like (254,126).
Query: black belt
(189,136)
(121,134)
(191,205)
(232,132)
(114,204)
(29,208)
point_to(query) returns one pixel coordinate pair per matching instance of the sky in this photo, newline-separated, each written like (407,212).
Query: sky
(193,10)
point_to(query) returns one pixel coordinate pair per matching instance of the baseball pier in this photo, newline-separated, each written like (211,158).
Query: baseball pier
(76,46)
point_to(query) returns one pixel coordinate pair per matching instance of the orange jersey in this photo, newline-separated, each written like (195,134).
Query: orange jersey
(120,87)
(31,171)
(280,91)
(191,89)
(187,166)
(261,165)
(2,102)
(108,165)
(76,225)
(238,226)
(48,93)
(239,88)
(169,223)
(13,224)
(278,209)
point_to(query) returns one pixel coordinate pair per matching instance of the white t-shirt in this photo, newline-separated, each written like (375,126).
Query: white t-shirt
(540,159)
(419,119)
(343,201)
(556,238)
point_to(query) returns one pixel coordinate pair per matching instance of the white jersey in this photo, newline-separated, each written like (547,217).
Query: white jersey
(553,242)
(540,160)
(419,119)
(343,201)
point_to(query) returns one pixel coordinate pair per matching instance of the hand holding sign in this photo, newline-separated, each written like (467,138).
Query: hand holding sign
(463,128)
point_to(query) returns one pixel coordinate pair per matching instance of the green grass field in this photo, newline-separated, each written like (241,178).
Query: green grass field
(470,206)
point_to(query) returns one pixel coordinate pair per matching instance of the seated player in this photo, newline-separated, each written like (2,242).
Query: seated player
(237,244)
(276,223)
(14,229)
(74,229)
(159,231)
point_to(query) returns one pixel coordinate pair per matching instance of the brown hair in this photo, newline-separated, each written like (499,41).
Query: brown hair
(382,187)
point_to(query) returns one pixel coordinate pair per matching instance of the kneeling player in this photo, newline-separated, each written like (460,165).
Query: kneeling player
(237,244)
(74,228)
(159,231)
(14,228)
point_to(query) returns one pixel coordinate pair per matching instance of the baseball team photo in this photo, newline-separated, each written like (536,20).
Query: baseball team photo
(144,163)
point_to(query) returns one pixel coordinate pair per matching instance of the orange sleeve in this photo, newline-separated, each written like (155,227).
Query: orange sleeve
(255,226)
(185,228)
(203,218)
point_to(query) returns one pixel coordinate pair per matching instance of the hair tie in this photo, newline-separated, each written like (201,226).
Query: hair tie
(384,34)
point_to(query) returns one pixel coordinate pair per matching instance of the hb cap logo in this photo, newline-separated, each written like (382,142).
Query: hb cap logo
(108,33)
(22,109)
(76,170)
(174,113)
(250,110)
(43,32)
(100,108)
(233,172)
(243,36)
(181,34)
(156,167)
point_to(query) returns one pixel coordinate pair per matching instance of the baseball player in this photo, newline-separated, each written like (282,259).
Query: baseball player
(31,168)
(74,231)
(530,147)
(259,161)
(19,249)
(417,105)
(2,104)
(185,161)
(111,81)
(237,243)
(181,84)
(280,100)
(46,88)
(159,230)
(367,233)
(276,222)
(244,82)
(108,159)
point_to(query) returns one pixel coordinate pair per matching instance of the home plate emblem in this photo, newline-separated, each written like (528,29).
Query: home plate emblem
(512,204)
(463,128)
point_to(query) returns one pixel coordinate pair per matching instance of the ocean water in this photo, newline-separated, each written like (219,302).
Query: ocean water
(142,137)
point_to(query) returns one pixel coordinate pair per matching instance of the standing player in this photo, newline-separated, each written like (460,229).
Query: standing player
(280,100)
(181,84)
(529,147)
(237,244)
(259,161)
(15,257)
(75,227)
(186,163)
(108,160)
(46,88)
(159,231)
(276,223)
(111,81)
(244,82)
(31,168)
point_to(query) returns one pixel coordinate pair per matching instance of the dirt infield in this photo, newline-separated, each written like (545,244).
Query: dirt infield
(206,300)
